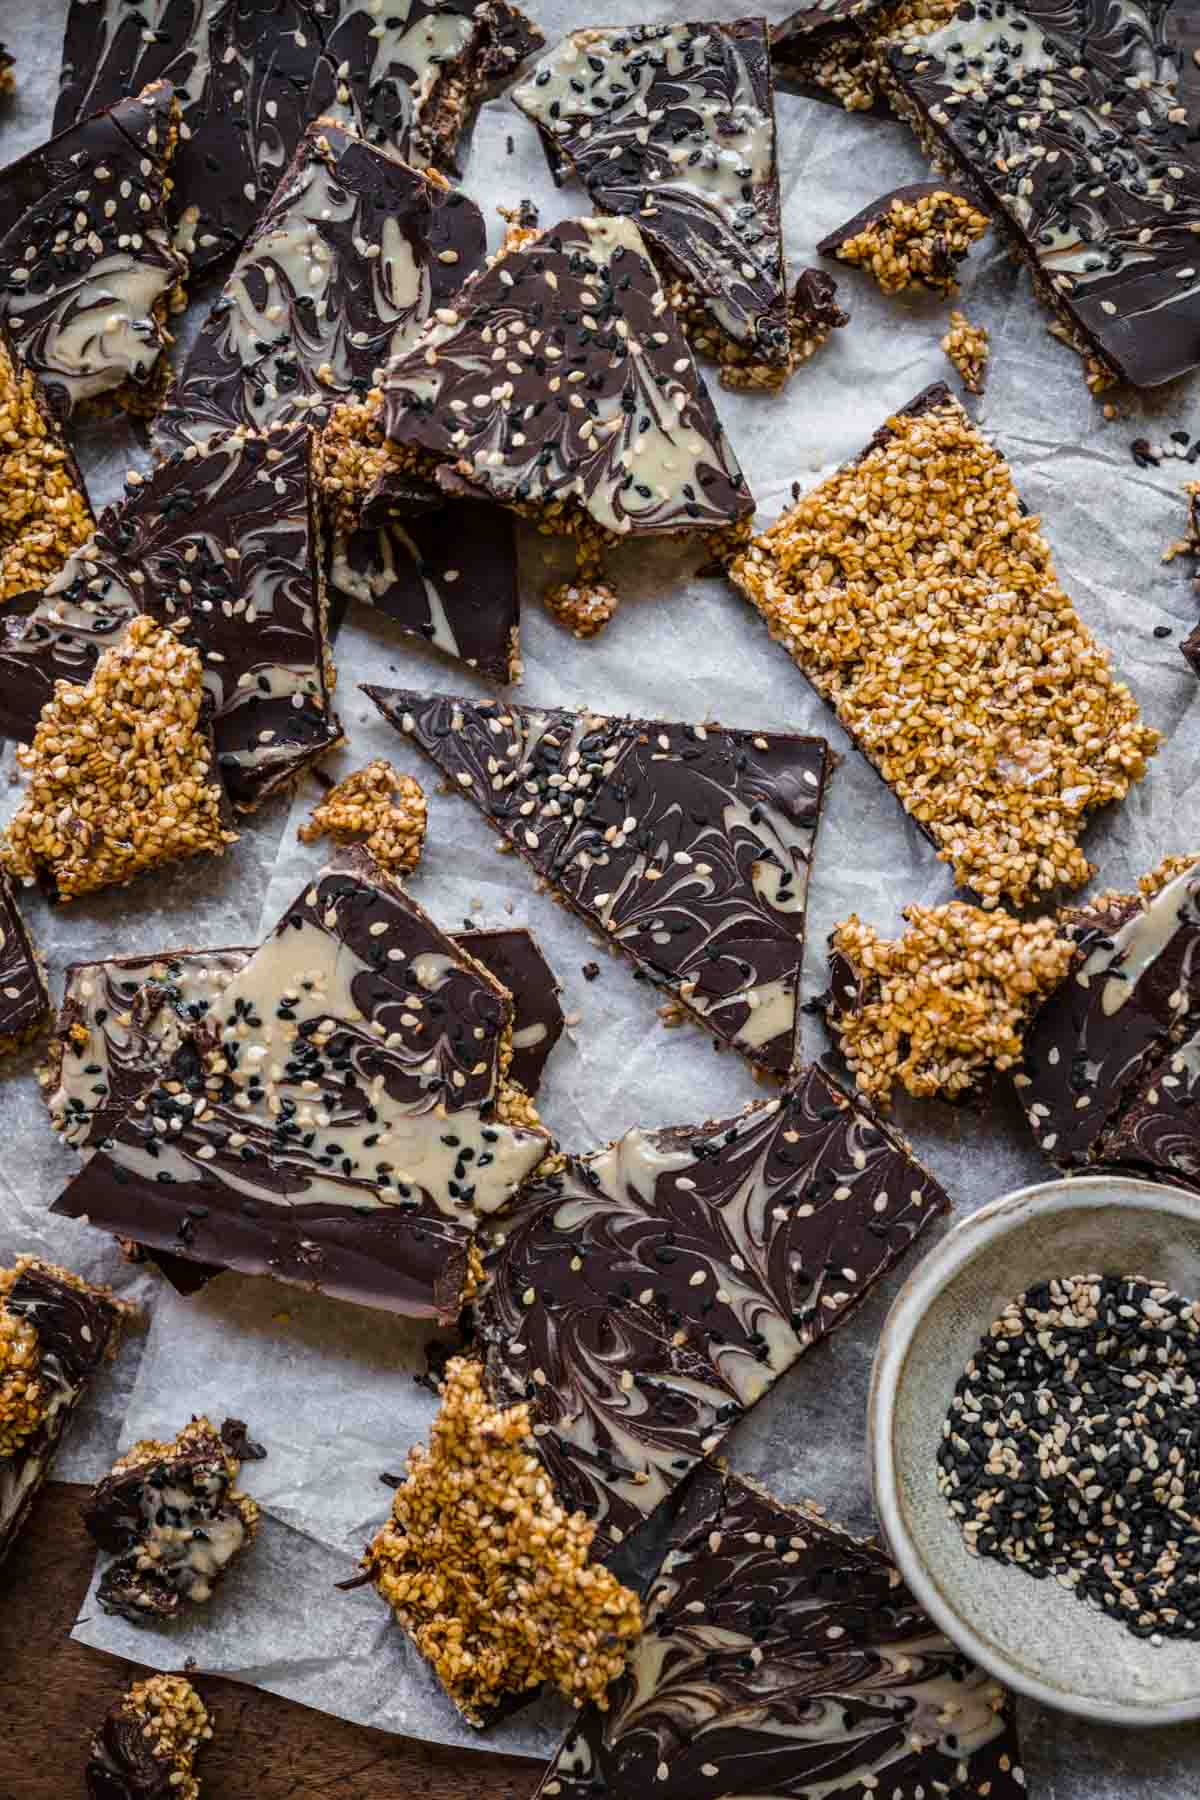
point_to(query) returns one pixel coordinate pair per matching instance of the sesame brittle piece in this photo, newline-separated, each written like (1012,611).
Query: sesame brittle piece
(146,1747)
(122,772)
(913,237)
(939,1007)
(921,601)
(775,1648)
(355,1126)
(487,1572)
(969,349)
(171,1515)
(377,807)
(44,509)
(688,845)
(55,1332)
(644,1298)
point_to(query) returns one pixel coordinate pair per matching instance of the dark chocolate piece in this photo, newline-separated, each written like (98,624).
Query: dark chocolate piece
(515,958)
(352,1134)
(76,1328)
(229,539)
(1157,1132)
(146,1747)
(338,276)
(252,75)
(674,126)
(782,1657)
(24,1000)
(688,845)
(944,260)
(173,1519)
(87,266)
(596,406)
(1190,648)
(1131,998)
(1074,122)
(644,1298)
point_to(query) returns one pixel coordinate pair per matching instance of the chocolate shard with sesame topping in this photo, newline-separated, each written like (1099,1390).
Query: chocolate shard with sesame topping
(146,1747)
(88,270)
(339,1117)
(45,513)
(24,999)
(518,962)
(596,410)
(834,50)
(688,845)
(171,1515)
(674,126)
(251,77)
(1130,1005)
(782,1657)
(55,1332)
(914,236)
(644,1298)
(227,540)
(1074,122)
(937,631)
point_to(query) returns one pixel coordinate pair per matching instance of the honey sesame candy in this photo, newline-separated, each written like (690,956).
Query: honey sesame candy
(375,804)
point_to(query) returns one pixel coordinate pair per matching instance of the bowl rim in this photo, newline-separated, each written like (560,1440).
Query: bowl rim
(996,1218)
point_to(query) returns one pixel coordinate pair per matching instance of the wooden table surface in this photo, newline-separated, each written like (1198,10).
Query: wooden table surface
(53,1691)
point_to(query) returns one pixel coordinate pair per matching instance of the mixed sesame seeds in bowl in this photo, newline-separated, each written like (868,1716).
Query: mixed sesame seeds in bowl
(1086,1636)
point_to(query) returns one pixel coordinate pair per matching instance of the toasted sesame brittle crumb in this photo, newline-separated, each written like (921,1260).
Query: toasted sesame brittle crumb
(969,348)
(922,603)
(22,1394)
(174,1723)
(948,1000)
(583,607)
(1160,877)
(44,514)
(917,242)
(375,804)
(121,770)
(487,1573)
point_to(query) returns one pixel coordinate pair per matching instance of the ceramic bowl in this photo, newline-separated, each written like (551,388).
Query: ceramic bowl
(1035,1636)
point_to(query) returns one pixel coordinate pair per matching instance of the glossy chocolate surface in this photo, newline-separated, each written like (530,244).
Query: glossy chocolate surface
(23,996)
(688,846)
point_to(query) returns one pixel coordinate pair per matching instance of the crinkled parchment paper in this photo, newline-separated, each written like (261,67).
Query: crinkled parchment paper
(330,1389)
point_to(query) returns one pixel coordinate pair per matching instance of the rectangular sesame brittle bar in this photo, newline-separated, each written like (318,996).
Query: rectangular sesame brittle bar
(689,846)
(921,601)
(338,1118)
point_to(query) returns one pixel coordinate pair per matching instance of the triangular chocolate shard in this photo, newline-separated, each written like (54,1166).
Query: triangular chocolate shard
(338,1120)
(643,1299)
(24,999)
(674,126)
(226,539)
(88,271)
(781,1657)
(559,383)
(688,845)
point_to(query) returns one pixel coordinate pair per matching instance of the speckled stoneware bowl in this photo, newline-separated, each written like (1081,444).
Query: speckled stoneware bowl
(1033,1635)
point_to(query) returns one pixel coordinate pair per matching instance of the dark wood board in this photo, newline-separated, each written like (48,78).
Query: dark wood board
(52,1692)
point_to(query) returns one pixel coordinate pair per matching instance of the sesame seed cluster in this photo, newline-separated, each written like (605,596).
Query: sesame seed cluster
(969,348)
(936,1008)
(1071,1448)
(23,1395)
(384,809)
(487,1572)
(921,601)
(917,242)
(170,1720)
(121,771)
(44,513)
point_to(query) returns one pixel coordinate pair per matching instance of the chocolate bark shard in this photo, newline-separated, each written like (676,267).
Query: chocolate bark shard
(675,125)
(24,1000)
(379,1024)
(1157,1132)
(782,1657)
(46,513)
(1132,998)
(913,236)
(999,776)
(171,1515)
(340,273)
(251,76)
(87,267)
(146,1747)
(1108,235)
(227,539)
(76,1326)
(515,958)
(577,306)
(688,845)
(657,1290)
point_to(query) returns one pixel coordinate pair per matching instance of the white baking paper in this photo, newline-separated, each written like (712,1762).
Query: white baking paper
(330,1389)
